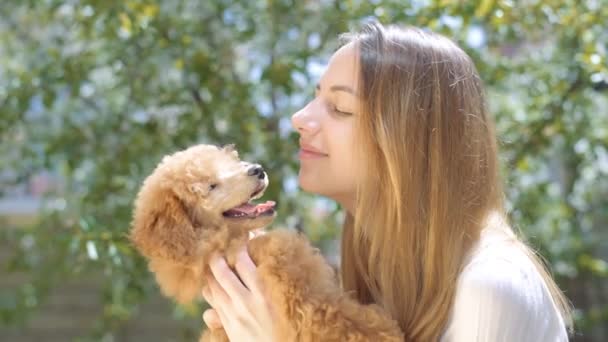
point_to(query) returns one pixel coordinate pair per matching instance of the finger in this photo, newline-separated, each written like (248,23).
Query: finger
(228,308)
(227,280)
(220,298)
(247,271)
(212,319)
(223,314)
(208,296)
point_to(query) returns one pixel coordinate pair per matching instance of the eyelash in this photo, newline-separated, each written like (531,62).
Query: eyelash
(333,108)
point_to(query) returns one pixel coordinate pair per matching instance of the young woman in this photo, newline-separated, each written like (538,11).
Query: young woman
(399,135)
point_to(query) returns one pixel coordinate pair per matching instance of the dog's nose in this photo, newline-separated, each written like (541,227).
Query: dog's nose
(256,170)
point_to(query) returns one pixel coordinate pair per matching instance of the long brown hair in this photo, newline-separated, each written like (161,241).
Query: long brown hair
(432,178)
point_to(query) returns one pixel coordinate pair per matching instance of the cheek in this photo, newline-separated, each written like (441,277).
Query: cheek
(337,174)
(342,150)
(237,187)
(334,176)
(344,169)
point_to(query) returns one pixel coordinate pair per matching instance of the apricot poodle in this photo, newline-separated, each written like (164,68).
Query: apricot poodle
(198,202)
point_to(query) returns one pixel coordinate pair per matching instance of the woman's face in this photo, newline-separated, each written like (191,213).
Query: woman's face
(326,126)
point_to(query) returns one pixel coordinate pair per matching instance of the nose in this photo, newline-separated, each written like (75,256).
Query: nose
(305,122)
(256,170)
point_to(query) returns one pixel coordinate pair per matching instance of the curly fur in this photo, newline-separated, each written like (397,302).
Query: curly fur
(178,224)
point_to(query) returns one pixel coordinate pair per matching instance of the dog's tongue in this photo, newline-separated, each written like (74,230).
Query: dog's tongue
(251,209)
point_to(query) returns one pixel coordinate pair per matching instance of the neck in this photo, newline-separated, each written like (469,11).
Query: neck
(346,202)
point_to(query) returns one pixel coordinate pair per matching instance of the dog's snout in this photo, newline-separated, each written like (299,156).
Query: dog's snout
(256,170)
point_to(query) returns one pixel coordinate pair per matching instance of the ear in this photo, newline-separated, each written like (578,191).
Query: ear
(165,232)
(228,147)
(231,149)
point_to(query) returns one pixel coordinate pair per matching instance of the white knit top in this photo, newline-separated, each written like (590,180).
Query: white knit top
(500,296)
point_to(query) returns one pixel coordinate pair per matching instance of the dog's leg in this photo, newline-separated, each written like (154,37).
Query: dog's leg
(305,289)
(175,281)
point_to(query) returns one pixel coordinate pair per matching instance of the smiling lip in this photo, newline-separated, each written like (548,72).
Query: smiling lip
(309,152)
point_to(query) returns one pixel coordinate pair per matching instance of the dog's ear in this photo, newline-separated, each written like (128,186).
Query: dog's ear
(166,231)
(230,148)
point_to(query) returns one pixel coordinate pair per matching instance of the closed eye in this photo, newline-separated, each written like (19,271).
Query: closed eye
(332,107)
(337,111)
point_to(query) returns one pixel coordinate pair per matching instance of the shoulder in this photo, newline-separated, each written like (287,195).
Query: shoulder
(500,296)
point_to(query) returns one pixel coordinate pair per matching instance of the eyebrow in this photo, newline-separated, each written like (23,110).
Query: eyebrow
(339,88)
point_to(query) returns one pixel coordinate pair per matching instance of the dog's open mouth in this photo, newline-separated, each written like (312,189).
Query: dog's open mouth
(251,210)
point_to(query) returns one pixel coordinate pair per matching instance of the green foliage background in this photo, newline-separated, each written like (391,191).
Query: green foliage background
(97,91)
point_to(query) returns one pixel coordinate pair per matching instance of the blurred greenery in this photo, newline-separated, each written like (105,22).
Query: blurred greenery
(95,92)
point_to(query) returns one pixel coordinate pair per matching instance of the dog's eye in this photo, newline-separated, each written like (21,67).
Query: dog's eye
(212,186)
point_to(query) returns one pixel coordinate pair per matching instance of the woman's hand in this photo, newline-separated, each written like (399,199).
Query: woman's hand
(241,308)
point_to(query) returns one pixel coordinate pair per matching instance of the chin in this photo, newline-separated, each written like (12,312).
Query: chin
(314,186)
(308,183)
